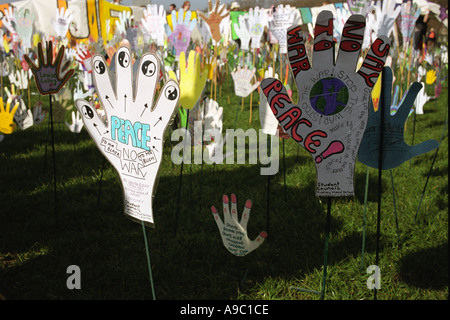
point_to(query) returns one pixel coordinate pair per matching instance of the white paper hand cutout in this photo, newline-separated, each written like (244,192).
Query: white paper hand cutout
(77,123)
(242,78)
(242,32)
(234,232)
(213,121)
(131,138)
(269,122)
(386,17)
(283,18)
(257,20)
(24,26)
(153,22)
(123,23)
(23,115)
(62,22)
(421,99)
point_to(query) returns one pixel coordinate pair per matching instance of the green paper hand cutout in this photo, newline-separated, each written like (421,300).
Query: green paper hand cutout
(395,150)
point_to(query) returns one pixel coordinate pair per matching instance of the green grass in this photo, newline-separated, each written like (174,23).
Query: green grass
(37,245)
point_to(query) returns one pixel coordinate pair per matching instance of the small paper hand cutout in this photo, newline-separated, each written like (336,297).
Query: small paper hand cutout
(153,22)
(192,79)
(421,99)
(7,124)
(242,78)
(38,114)
(132,137)
(62,22)
(77,123)
(47,74)
(395,150)
(234,232)
(182,29)
(257,20)
(242,32)
(216,15)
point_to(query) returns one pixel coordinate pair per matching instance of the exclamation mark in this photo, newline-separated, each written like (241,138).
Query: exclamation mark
(333,148)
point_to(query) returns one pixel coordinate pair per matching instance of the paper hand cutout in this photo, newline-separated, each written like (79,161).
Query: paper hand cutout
(242,32)
(23,115)
(430,77)
(131,138)
(62,22)
(395,150)
(421,99)
(38,114)
(24,26)
(385,17)
(47,74)
(216,15)
(124,21)
(242,78)
(7,124)
(213,121)
(409,13)
(283,17)
(153,22)
(331,114)
(182,29)
(358,6)
(192,79)
(77,123)
(269,123)
(234,232)
(257,20)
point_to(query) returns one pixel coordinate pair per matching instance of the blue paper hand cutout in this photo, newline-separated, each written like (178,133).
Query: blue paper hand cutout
(395,150)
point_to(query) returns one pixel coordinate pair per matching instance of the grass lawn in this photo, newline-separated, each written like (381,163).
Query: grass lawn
(86,226)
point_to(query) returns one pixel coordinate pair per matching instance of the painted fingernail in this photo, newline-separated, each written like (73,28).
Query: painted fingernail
(248,204)
(233,198)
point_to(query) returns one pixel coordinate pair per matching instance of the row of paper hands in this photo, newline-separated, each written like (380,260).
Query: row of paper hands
(155,25)
(131,97)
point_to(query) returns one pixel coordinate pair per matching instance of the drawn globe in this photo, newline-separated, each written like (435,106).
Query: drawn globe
(329,96)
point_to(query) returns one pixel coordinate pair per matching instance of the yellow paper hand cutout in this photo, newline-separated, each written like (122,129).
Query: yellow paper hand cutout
(430,77)
(7,124)
(192,79)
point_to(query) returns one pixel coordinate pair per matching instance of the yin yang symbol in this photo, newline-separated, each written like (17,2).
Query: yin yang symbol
(124,59)
(99,67)
(171,93)
(87,112)
(148,68)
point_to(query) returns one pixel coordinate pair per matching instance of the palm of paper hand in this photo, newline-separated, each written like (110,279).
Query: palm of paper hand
(132,137)
(234,232)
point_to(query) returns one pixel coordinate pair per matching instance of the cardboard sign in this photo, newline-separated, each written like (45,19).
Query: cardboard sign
(131,139)
(47,72)
(331,114)
(395,151)
(234,232)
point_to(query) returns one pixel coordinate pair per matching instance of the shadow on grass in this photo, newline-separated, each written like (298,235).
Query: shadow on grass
(427,268)
(188,258)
